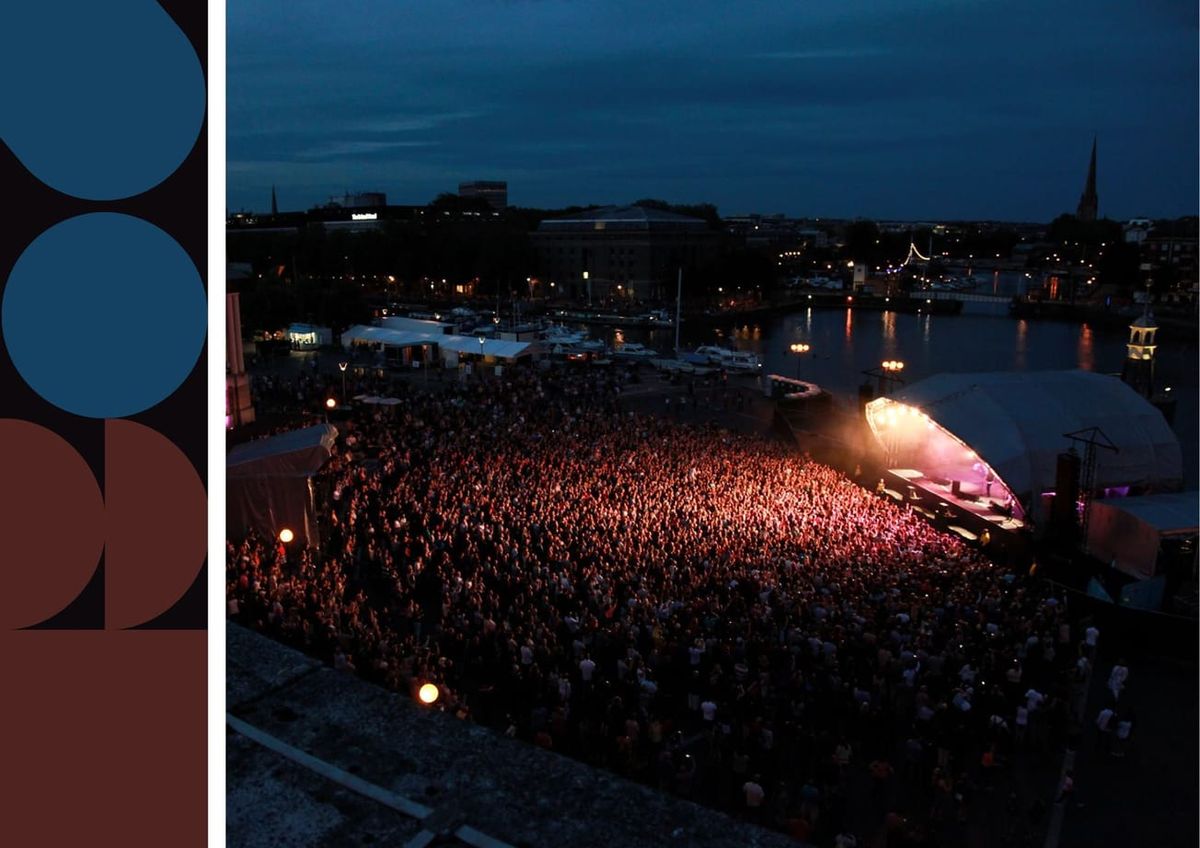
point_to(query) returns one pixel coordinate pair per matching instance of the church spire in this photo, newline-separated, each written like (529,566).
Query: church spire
(1088,202)
(275,203)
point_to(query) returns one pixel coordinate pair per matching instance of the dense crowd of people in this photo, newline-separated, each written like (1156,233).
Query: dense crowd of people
(707,612)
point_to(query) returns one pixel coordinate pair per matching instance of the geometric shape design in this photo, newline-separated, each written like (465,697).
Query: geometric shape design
(118,726)
(156,508)
(104,315)
(51,520)
(101,100)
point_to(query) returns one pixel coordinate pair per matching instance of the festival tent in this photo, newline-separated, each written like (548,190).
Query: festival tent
(449,345)
(269,483)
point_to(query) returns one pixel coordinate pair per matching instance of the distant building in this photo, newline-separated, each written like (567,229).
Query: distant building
(1170,253)
(1089,203)
(621,251)
(239,406)
(1136,230)
(495,192)
(360,200)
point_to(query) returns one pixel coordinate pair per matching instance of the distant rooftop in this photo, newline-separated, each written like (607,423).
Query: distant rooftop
(624,218)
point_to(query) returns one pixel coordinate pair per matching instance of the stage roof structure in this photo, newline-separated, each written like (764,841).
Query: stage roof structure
(296,453)
(1014,425)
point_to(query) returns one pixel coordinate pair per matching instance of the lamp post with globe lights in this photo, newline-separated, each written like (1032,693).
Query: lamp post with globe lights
(890,369)
(799,348)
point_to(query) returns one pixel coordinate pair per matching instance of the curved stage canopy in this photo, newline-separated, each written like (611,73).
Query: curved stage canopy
(999,434)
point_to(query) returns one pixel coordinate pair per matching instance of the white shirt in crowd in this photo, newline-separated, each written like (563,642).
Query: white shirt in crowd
(1116,680)
(1090,636)
(586,667)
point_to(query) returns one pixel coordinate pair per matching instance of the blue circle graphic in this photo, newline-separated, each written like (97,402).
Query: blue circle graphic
(100,100)
(104,315)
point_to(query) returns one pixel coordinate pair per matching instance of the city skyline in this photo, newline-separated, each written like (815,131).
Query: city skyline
(984,111)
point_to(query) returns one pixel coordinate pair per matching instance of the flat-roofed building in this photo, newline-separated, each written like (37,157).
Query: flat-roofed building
(626,251)
(495,192)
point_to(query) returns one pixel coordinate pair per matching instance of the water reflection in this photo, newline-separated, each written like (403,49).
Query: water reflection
(1086,359)
(969,342)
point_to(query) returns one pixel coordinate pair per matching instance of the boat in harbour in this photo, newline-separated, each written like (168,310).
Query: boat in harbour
(731,360)
(635,351)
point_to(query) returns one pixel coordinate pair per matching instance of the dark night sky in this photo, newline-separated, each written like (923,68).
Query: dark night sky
(904,109)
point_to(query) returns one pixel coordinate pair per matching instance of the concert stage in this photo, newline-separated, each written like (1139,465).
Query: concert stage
(967,513)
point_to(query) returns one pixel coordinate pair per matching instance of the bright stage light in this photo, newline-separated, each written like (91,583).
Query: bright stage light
(286,535)
(428,693)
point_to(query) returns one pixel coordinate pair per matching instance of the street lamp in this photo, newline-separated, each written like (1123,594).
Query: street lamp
(342,366)
(331,404)
(799,348)
(890,373)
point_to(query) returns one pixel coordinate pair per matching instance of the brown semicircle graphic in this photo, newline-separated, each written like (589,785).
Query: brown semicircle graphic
(52,522)
(157,523)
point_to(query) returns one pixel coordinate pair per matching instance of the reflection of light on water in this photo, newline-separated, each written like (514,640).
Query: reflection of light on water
(849,322)
(889,326)
(808,319)
(926,327)
(1020,348)
(1087,359)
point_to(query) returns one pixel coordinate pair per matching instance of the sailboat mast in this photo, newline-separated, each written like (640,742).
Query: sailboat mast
(678,307)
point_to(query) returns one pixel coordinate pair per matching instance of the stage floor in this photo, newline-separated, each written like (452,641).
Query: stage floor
(926,495)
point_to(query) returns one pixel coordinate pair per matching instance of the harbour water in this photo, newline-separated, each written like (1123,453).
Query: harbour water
(844,343)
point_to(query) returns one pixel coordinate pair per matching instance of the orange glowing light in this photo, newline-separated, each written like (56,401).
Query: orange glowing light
(286,535)
(428,693)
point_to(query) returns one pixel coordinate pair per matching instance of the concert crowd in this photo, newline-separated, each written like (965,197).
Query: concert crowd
(706,612)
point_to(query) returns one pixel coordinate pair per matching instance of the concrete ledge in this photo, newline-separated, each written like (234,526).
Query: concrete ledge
(507,789)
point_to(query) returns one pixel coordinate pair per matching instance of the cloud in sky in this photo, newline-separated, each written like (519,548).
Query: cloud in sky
(890,109)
